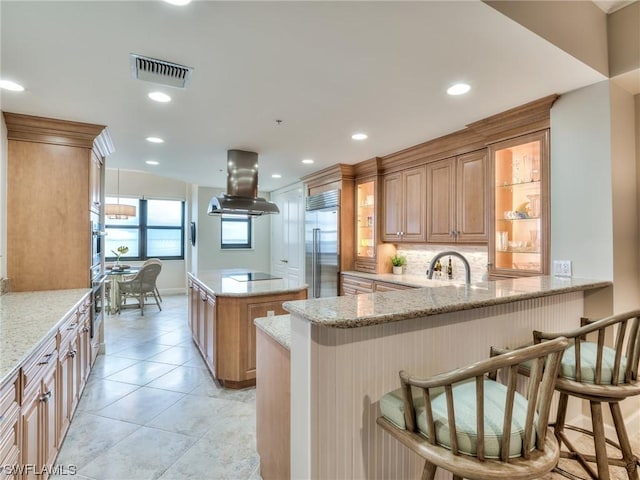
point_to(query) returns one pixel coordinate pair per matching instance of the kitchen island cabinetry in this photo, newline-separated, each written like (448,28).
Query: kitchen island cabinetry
(457,198)
(404,200)
(221,315)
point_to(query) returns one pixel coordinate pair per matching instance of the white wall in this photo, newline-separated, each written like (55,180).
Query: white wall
(211,256)
(594,205)
(581,183)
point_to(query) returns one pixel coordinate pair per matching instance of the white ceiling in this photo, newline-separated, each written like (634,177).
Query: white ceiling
(327,69)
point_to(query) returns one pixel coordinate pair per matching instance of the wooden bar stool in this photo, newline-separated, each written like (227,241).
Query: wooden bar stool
(599,374)
(469,424)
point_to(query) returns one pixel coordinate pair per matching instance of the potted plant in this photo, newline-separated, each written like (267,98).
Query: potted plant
(121,250)
(398,261)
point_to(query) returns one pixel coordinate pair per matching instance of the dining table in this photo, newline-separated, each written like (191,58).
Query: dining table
(115,275)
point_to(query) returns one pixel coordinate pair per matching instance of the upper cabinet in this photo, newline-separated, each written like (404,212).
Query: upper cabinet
(51,167)
(520,206)
(404,204)
(456,199)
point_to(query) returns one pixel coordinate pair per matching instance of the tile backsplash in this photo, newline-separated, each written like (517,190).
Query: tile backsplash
(419,255)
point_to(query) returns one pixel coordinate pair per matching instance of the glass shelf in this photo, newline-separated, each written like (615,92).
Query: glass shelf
(516,219)
(365,214)
(519,250)
(519,184)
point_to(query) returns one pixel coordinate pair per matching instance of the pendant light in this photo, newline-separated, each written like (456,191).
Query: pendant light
(119,211)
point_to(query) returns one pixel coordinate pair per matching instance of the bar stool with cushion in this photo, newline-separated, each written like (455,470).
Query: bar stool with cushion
(600,374)
(469,424)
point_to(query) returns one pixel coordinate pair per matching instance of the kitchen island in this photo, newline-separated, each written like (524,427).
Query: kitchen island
(222,307)
(346,353)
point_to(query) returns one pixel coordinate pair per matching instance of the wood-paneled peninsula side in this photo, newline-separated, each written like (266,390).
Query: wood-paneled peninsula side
(346,353)
(222,308)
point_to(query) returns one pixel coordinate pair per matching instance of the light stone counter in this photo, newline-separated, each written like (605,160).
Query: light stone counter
(28,318)
(221,283)
(371,309)
(277,327)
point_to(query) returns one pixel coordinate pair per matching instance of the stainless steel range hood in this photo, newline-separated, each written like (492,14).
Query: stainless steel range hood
(242,188)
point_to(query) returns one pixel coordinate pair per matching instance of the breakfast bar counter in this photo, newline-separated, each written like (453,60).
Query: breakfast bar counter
(346,353)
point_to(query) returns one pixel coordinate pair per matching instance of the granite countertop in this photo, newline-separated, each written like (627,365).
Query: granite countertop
(408,280)
(27,319)
(277,327)
(221,283)
(371,309)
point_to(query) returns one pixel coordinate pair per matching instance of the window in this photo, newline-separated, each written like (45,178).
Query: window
(157,230)
(235,231)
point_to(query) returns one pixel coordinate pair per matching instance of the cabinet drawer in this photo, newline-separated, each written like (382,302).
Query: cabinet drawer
(39,364)
(69,328)
(388,287)
(8,396)
(365,266)
(355,282)
(9,436)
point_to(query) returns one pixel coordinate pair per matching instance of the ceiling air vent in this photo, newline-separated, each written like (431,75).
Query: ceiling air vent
(160,71)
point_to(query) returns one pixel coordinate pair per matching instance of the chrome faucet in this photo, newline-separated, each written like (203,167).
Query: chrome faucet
(452,253)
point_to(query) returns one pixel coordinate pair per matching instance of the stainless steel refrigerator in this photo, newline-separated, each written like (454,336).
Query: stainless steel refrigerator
(321,242)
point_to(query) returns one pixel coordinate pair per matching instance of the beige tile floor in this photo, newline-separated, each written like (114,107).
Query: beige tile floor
(151,410)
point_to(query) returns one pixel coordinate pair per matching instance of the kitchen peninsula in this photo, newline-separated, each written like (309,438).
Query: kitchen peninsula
(222,307)
(346,353)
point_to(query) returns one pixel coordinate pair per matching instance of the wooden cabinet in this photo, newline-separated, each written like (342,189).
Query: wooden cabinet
(50,176)
(9,427)
(519,185)
(354,285)
(95,182)
(40,417)
(223,329)
(404,215)
(457,198)
(273,408)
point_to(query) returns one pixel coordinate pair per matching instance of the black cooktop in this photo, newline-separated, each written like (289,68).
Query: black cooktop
(252,276)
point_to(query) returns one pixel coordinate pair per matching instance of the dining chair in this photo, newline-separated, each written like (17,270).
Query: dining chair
(140,285)
(593,371)
(149,261)
(466,422)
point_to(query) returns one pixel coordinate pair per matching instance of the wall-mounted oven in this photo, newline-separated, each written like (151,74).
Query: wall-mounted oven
(97,240)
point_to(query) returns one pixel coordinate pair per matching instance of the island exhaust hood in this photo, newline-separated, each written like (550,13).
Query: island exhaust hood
(242,188)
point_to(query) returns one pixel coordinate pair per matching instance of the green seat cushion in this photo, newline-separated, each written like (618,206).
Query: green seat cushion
(464,398)
(588,354)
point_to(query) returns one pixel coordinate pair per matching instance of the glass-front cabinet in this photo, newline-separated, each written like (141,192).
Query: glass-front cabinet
(366,220)
(518,242)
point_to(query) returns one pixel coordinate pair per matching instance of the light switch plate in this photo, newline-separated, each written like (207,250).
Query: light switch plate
(562,268)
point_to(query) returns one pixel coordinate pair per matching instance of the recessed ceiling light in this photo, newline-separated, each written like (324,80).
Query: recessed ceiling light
(359,136)
(159,97)
(276,175)
(180,3)
(9,85)
(308,161)
(458,89)
(155,140)
(152,162)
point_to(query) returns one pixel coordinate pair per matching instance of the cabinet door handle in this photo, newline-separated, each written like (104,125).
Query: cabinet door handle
(72,326)
(48,358)
(284,260)
(45,396)
(72,353)
(85,329)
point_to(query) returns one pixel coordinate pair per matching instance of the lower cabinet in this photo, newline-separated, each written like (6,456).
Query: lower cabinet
(38,402)
(352,285)
(223,330)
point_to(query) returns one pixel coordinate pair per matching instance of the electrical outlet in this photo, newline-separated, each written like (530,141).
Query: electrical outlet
(562,268)
(271,313)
